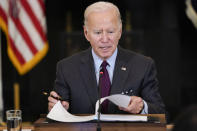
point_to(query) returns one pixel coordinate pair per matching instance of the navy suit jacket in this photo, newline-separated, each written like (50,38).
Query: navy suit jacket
(76,81)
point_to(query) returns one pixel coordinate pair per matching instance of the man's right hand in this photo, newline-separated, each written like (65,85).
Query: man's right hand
(53,101)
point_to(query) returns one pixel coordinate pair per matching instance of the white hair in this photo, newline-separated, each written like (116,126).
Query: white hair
(98,7)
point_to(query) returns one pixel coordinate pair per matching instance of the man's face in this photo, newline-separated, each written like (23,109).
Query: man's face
(103,31)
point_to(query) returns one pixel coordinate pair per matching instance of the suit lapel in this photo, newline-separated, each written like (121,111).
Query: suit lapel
(121,72)
(88,75)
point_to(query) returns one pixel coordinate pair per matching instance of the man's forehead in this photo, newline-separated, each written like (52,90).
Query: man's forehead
(109,12)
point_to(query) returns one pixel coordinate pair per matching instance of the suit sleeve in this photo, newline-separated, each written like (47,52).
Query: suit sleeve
(61,86)
(150,90)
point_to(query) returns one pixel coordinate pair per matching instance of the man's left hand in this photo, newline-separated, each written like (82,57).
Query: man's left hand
(135,106)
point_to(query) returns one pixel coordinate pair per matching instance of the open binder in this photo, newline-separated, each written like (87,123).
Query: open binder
(58,112)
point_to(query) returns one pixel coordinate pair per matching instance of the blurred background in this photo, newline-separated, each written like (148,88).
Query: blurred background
(156,28)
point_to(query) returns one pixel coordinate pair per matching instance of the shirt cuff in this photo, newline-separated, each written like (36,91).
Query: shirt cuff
(145,109)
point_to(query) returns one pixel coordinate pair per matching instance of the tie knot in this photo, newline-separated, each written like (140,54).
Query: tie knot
(104,64)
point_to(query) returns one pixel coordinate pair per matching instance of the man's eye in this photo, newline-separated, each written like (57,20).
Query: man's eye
(111,32)
(97,32)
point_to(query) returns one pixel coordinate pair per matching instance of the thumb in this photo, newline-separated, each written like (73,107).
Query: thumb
(65,104)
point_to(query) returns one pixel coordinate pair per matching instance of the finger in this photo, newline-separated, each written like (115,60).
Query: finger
(139,110)
(53,93)
(136,100)
(65,104)
(52,100)
(125,109)
(135,105)
(141,104)
(130,106)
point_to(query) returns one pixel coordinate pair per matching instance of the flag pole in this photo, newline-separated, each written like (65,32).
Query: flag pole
(1,87)
(16,96)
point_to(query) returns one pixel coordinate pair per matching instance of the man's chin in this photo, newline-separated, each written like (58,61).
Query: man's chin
(106,56)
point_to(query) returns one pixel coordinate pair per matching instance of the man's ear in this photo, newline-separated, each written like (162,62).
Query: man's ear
(85,32)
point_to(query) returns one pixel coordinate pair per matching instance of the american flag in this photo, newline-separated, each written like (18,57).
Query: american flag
(24,24)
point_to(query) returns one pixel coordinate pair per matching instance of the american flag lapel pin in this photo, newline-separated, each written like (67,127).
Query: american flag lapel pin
(123,68)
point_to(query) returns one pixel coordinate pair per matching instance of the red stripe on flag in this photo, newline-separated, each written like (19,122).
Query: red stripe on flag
(24,35)
(41,2)
(3,15)
(34,19)
(17,53)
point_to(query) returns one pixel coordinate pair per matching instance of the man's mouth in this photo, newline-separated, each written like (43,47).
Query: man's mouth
(105,47)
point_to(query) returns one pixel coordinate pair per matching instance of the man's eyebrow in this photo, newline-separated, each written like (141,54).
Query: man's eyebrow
(97,30)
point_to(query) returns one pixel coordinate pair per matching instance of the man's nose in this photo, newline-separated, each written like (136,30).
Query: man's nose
(105,37)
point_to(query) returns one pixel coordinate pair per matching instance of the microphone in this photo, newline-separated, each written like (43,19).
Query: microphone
(99,109)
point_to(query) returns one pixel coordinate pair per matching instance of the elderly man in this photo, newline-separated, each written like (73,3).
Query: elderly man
(77,77)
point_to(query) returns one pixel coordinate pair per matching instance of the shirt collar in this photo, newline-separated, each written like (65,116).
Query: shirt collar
(98,61)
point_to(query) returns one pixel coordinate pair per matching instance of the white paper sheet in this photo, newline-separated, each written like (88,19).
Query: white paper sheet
(58,112)
(117,99)
(123,118)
